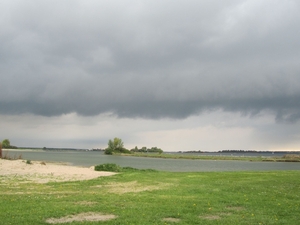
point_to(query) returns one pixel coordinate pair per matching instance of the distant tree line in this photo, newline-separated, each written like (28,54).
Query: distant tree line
(145,149)
(199,151)
(238,151)
(255,151)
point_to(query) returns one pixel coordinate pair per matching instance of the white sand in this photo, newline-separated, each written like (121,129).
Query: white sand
(47,172)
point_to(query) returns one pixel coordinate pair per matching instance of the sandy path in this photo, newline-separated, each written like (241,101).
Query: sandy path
(47,172)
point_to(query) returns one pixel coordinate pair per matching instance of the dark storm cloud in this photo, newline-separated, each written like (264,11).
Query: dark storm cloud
(150,59)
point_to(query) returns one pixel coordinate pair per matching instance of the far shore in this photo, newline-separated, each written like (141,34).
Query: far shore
(285,158)
(236,156)
(23,149)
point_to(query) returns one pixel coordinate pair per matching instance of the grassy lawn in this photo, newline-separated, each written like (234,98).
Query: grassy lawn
(151,197)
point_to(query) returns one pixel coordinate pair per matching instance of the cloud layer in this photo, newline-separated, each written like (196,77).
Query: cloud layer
(150,59)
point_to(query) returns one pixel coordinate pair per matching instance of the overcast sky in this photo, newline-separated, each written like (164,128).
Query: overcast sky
(179,75)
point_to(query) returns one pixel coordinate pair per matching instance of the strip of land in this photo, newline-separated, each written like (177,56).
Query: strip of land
(285,158)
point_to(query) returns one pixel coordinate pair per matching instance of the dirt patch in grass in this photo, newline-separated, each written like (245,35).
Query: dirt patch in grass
(90,216)
(235,208)
(134,186)
(171,219)
(86,203)
(210,217)
(215,216)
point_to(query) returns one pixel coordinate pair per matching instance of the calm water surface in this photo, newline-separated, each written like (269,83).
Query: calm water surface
(87,159)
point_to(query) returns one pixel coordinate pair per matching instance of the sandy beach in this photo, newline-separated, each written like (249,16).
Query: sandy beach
(43,172)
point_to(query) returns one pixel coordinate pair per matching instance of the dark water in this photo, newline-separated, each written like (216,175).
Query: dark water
(87,159)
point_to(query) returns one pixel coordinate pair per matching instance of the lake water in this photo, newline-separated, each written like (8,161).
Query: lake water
(91,158)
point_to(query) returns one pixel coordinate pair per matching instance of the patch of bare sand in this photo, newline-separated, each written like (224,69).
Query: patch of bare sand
(86,203)
(235,208)
(90,216)
(211,217)
(171,219)
(215,216)
(42,172)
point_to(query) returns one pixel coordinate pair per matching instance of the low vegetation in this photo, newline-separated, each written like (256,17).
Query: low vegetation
(111,167)
(108,167)
(291,158)
(154,197)
(6,155)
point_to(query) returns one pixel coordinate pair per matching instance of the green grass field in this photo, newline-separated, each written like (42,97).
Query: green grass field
(152,197)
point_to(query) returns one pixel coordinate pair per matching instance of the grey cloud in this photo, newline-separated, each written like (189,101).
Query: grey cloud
(150,59)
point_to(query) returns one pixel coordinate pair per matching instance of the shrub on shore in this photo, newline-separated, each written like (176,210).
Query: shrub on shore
(108,167)
(116,146)
(111,167)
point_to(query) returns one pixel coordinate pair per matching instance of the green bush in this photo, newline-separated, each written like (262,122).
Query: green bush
(124,150)
(108,151)
(108,167)
(131,169)
(111,167)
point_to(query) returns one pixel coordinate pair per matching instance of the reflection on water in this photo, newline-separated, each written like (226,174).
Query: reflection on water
(87,159)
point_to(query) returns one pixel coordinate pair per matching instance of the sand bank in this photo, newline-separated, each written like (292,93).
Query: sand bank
(43,172)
